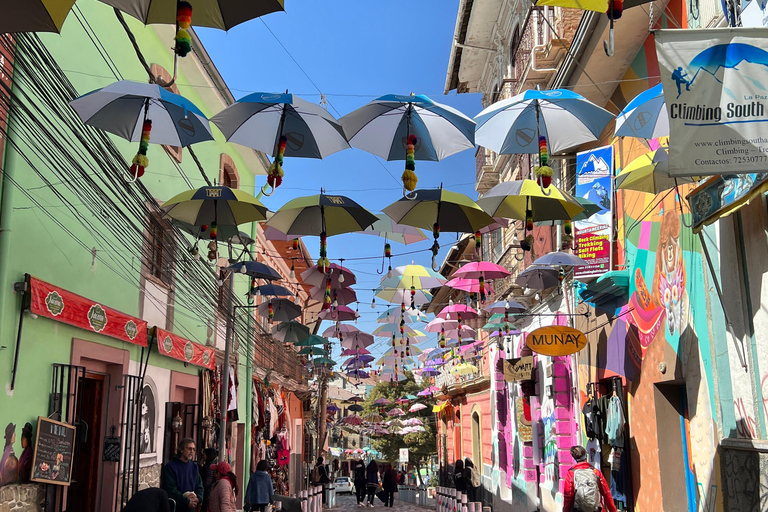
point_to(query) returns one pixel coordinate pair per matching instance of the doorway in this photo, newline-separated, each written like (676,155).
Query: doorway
(476,441)
(674,443)
(83,493)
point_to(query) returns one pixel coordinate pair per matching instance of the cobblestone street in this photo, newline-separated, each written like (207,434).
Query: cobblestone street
(348,503)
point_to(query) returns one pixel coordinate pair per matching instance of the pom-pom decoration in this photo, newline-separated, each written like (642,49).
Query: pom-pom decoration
(409,176)
(481,283)
(271,312)
(276,173)
(528,220)
(567,227)
(544,172)
(478,240)
(140,162)
(214,231)
(387,251)
(435,230)
(295,244)
(615,9)
(184,21)
(322,262)
(413,297)
(402,307)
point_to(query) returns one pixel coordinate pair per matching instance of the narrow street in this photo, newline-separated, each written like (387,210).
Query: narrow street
(348,503)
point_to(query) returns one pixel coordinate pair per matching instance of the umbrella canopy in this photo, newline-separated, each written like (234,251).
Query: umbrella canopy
(361,359)
(396,412)
(387,330)
(382,401)
(311,340)
(462,332)
(373,418)
(290,332)
(429,371)
(313,215)
(259,120)
(357,340)
(402,295)
(282,310)
(313,351)
(538,278)
(412,422)
(650,173)
(221,14)
(323,361)
(419,276)
(645,116)
(340,277)
(221,205)
(357,374)
(338,314)
(355,408)
(121,108)
(356,399)
(560,259)
(464,369)
(332,408)
(272,290)
(355,352)
(457,311)
(510,332)
(484,269)
(469,285)
(590,209)
(256,270)
(439,324)
(342,296)
(334,330)
(382,127)
(33,15)
(400,233)
(230,234)
(271,233)
(511,200)
(411,397)
(394,314)
(452,211)
(566,119)
(505,306)
(353,420)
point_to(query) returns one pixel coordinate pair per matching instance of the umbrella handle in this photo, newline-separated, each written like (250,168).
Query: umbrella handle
(411,197)
(129,177)
(265,188)
(543,190)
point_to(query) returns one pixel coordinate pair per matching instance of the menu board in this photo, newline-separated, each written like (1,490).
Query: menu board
(54,446)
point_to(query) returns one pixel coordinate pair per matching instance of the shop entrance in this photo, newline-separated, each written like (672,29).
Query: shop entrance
(83,494)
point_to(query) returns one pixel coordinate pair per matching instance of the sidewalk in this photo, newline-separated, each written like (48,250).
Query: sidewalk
(347,503)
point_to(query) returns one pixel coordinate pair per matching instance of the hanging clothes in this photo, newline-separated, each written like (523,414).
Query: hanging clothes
(232,403)
(594,456)
(620,479)
(602,407)
(614,427)
(593,418)
(273,415)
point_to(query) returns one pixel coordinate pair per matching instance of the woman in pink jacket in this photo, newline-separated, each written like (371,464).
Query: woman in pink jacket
(224,489)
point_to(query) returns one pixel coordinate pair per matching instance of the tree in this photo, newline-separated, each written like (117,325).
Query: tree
(421,445)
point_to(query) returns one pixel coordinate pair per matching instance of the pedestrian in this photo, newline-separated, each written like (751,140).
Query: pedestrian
(390,486)
(459,482)
(224,490)
(260,489)
(320,475)
(181,479)
(151,499)
(472,478)
(585,486)
(207,474)
(372,481)
(359,475)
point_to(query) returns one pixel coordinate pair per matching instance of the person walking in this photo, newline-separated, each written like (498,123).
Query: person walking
(459,480)
(260,489)
(390,486)
(224,490)
(359,475)
(472,478)
(151,499)
(181,479)
(585,486)
(208,475)
(372,481)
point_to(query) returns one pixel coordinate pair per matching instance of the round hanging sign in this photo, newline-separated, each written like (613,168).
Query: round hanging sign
(556,340)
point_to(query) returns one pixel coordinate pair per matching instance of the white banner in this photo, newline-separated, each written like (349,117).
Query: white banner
(716,90)
(403,454)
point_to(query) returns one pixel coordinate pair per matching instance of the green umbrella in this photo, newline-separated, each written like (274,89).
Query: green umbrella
(290,332)
(590,209)
(312,340)
(323,361)
(313,351)
(215,206)
(411,397)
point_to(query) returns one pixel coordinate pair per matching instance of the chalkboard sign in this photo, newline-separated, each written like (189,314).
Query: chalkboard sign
(54,446)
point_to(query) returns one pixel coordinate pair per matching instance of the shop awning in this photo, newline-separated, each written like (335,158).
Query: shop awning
(608,290)
(721,196)
(173,345)
(58,304)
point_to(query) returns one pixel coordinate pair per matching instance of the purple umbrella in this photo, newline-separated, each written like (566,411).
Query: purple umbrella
(429,371)
(341,314)
(342,296)
(358,374)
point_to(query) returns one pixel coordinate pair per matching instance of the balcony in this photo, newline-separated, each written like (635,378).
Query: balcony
(487,174)
(284,363)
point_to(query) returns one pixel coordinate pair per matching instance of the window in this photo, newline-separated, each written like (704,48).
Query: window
(160,72)
(158,257)
(228,175)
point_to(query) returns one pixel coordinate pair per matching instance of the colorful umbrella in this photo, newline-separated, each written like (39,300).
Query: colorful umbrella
(393,232)
(458,311)
(514,199)
(505,306)
(338,314)
(429,371)
(279,310)
(353,420)
(355,408)
(357,340)
(358,374)
(33,15)
(313,351)
(271,290)
(356,399)
(355,352)
(394,314)
(334,330)
(538,278)
(645,116)
(441,324)
(396,412)
(484,269)
(418,276)
(373,418)
(215,206)
(382,401)
(403,296)
(562,259)
(650,173)
(323,361)
(290,332)
(339,277)
(413,422)
(462,333)
(464,369)
(358,359)
(387,330)
(470,285)
(332,408)
(340,297)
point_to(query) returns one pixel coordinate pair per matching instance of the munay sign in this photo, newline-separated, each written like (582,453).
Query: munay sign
(715,85)
(556,340)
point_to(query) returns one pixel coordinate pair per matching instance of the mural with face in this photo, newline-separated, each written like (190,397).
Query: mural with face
(669,275)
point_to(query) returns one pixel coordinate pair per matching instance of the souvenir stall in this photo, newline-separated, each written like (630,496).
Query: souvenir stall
(270,436)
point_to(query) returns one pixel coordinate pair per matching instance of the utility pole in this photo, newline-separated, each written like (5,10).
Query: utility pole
(321,428)
(225,368)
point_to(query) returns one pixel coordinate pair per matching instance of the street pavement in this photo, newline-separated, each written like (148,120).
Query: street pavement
(348,503)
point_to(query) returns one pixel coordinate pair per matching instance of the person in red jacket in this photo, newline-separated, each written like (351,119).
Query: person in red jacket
(570,492)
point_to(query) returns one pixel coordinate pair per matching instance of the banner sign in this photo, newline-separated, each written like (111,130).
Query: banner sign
(716,100)
(722,195)
(175,346)
(556,340)
(403,454)
(520,368)
(592,236)
(58,304)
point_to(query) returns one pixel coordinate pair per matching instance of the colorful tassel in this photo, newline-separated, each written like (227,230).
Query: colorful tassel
(140,162)
(478,240)
(567,227)
(214,231)
(394,340)
(481,282)
(387,251)
(271,312)
(528,220)
(435,230)
(409,176)
(413,297)
(402,308)
(322,261)
(544,172)
(184,21)
(295,244)
(617,11)
(275,174)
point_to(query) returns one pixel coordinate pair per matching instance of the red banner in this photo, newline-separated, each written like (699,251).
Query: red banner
(58,304)
(175,346)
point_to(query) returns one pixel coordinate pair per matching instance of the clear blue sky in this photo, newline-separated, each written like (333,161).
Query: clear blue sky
(353,52)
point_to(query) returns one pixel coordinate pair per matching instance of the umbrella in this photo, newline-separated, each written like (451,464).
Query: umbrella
(512,199)
(590,209)
(33,15)
(342,296)
(290,332)
(429,371)
(387,330)
(393,360)
(334,330)
(332,408)
(645,116)
(311,340)
(564,118)
(458,311)
(409,128)
(560,259)
(650,173)
(505,306)
(359,359)
(453,212)
(355,352)
(417,407)
(413,422)
(340,277)
(426,392)
(387,228)
(273,234)
(462,332)
(256,270)
(356,399)
(313,351)
(412,397)
(511,332)
(472,346)
(403,296)
(323,361)
(357,340)
(360,374)
(355,408)
(339,314)
(271,290)
(215,206)
(464,369)
(382,401)
(353,420)
(373,418)
(417,276)
(282,310)
(538,278)
(221,14)
(230,234)
(484,269)
(396,412)
(394,314)
(469,285)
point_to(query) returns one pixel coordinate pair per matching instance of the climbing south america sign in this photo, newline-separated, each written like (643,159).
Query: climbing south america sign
(716,91)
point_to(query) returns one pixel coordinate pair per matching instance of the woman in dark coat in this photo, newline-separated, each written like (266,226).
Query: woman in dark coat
(372,481)
(390,486)
(469,471)
(459,480)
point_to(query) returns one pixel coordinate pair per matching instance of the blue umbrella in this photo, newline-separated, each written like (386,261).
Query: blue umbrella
(645,116)
(565,118)
(255,269)
(272,290)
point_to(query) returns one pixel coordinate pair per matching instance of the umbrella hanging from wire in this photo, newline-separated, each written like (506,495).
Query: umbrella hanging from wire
(339,314)
(645,116)
(538,278)
(279,310)
(33,15)
(290,332)
(649,173)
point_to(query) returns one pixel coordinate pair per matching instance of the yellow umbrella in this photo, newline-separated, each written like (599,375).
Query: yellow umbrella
(33,15)
(511,200)
(650,173)
(465,369)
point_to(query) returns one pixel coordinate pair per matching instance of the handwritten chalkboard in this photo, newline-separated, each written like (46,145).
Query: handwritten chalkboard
(54,446)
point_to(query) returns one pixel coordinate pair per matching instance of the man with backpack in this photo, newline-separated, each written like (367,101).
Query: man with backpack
(585,486)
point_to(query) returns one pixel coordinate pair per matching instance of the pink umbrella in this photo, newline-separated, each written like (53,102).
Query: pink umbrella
(357,340)
(355,352)
(468,285)
(341,313)
(439,324)
(470,347)
(342,296)
(484,269)
(332,331)
(512,332)
(457,311)
(382,401)
(463,332)
(396,412)
(500,223)
(341,277)
(353,420)
(402,400)
(417,407)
